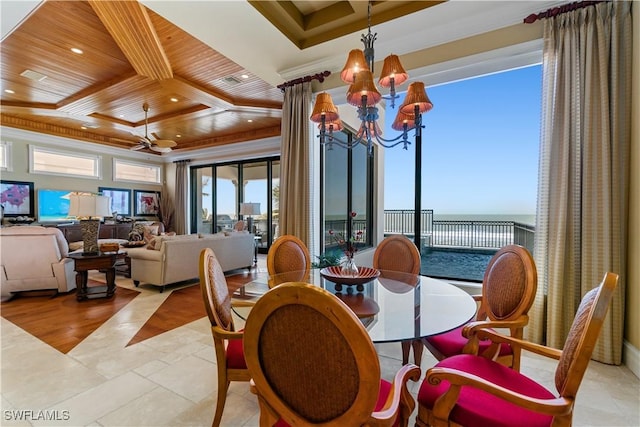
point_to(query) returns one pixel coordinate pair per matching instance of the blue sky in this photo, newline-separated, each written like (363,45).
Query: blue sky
(479,147)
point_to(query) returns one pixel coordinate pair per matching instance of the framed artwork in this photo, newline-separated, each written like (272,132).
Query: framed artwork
(145,203)
(120,199)
(17,198)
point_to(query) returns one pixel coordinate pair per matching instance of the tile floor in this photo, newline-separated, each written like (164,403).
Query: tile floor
(170,380)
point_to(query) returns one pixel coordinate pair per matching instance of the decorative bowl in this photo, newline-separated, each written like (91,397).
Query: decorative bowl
(365,275)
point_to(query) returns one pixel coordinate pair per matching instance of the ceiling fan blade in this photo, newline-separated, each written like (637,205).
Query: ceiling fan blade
(137,147)
(165,143)
(158,149)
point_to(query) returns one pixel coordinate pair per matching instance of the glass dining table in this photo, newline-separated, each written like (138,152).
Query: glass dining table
(395,306)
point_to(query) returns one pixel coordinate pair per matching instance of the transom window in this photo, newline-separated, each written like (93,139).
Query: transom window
(58,162)
(124,170)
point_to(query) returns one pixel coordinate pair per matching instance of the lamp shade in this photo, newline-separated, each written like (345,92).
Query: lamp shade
(401,119)
(392,69)
(324,107)
(249,208)
(89,205)
(416,95)
(354,65)
(334,126)
(363,86)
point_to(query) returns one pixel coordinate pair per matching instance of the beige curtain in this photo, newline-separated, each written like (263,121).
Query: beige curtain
(295,191)
(181,196)
(581,228)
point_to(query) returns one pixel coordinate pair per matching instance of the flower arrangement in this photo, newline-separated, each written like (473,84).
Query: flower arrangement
(348,245)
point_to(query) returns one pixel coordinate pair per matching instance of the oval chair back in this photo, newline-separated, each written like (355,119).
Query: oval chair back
(288,254)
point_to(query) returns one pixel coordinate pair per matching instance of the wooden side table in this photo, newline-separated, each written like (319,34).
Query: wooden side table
(103,261)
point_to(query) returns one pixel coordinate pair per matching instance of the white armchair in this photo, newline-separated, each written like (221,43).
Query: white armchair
(34,258)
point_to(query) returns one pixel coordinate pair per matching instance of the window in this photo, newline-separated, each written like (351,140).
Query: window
(217,196)
(58,162)
(136,172)
(6,156)
(347,187)
(479,171)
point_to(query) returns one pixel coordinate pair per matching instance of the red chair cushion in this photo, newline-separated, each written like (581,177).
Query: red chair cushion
(385,389)
(235,355)
(478,408)
(452,342)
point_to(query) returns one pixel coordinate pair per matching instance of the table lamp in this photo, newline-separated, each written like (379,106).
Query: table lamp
(88,208)
(248,210)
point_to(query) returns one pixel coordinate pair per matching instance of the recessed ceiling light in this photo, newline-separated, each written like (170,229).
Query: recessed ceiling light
(9,91)
(244,76)
(250,121)
(76,50)
(178,136)
(174,99)
(83,127)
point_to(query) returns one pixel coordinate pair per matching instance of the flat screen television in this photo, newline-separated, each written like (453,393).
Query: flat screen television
(53,205)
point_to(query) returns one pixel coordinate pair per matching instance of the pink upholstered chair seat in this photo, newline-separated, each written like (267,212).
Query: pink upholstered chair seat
(235,355)
(478,408)
(452,342)
(385,389)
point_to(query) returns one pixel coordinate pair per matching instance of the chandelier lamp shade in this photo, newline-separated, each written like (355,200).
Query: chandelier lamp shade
(363,94)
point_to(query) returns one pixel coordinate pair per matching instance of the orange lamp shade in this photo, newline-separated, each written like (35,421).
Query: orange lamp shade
(333,126)
(372,127)
(355,63)
(392,69)
(324,107)
(416,95)
(401,119)
(363,85)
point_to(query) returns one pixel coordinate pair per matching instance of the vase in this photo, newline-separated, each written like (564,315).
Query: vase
(348,267)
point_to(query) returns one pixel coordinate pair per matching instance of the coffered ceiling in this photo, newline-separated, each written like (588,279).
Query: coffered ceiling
(207,69)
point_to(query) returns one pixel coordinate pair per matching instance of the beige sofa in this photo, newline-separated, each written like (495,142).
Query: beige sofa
(34,258)
(172,259)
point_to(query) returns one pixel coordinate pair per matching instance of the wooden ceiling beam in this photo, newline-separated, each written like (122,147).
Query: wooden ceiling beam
(212,98)
(130,26)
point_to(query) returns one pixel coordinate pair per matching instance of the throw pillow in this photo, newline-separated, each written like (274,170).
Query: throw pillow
(149,232)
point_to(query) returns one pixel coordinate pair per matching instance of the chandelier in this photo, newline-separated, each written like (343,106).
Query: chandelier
(363,94)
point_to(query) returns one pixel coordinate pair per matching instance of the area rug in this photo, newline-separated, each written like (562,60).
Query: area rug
(62,321)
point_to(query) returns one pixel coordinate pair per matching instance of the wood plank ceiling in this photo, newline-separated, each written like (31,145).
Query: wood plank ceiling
(131,56)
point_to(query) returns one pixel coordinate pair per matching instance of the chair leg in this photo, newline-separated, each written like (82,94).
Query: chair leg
(417,351)
(223,386)
(406,345)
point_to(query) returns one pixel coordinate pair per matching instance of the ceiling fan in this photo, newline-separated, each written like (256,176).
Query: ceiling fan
(158,145)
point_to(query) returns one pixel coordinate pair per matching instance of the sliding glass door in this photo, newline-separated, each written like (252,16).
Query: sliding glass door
(248,191)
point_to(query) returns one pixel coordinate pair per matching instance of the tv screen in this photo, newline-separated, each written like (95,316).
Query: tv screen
(53,205)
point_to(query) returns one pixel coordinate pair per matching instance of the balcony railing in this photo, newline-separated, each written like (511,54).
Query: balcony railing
(459,234)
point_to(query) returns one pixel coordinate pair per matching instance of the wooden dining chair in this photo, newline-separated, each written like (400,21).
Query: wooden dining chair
(312,363)
(288,254)
(398,253)
(472,390)
(508,290)
(227,341)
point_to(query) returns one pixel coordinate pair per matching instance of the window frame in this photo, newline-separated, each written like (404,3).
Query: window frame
(96,158)
(117,162)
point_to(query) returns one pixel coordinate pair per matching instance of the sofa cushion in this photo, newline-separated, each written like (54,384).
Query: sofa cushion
(159,239)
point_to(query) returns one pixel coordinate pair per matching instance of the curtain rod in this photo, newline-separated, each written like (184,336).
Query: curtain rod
(550,13)
(319,76)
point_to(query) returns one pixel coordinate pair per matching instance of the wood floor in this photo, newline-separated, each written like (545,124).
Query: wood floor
(63,322)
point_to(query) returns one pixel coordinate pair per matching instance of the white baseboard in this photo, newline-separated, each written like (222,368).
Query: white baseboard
(631,358)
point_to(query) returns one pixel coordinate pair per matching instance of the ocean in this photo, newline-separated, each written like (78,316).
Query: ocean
(524,219)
